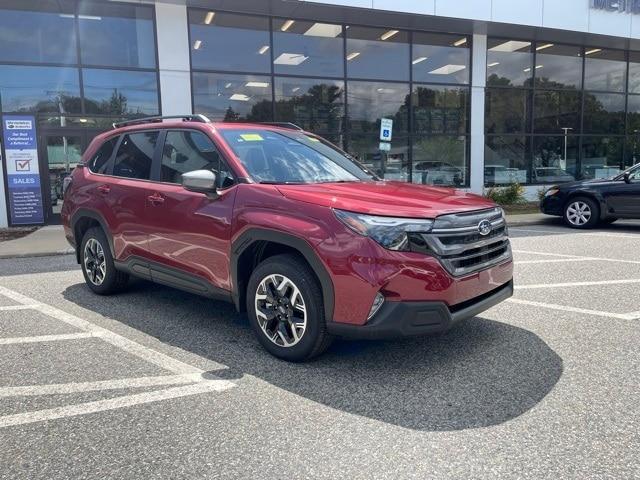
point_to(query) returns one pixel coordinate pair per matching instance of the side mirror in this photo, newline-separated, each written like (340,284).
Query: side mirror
(627,177)
(200,181)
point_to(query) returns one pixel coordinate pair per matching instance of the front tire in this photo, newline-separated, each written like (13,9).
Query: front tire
(97,264)
(286,309)
(582,213)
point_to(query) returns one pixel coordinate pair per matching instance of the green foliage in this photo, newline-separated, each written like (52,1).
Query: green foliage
(512,194)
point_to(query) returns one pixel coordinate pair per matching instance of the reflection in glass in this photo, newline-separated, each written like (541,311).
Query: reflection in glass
(558,66)
(604,113)
(315,105)
(634,72)
(63,154)
(308,48)
(117,92)
(440,58)
(37,32)
(506,160)
(440,160)
(118,35)
(392,165)
(369,102)
(509,63)
(376,53)
(605,70)
(556,110)
(224,41)
(601,157)
(439,109)
(633,114)
(232,98)
(506,110)
(632,156)
(40,89)
(554,159)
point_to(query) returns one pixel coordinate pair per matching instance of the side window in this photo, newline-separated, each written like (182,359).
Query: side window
(135,155)
(185,151)
(100,160)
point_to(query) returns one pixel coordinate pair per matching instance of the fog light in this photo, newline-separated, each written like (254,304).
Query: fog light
(377,303)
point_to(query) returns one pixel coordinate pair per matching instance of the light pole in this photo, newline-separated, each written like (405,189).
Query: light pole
(566,133)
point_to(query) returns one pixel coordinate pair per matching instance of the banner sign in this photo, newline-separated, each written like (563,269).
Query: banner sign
(23,171)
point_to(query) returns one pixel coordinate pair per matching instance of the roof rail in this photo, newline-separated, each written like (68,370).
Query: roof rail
(288,125)
(184,118)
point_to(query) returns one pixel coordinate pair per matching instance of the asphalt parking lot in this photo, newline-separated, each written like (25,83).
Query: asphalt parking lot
(156,383)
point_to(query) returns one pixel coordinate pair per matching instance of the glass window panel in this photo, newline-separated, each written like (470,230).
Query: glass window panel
(601,156)
(634,72)
(439,58)
(233,98)
(506,160)
(558,66)
(118,35)
(224,41)
(633,114)
(552,162)
(605,70)
(377,53)
(117,92)
(391,165)
(507,110)
(441,160)
(439,109)
(604,113)
(135,155)
(509,62)
(40,31)
(315,105)
(40,89)
(369,102)
(99,162)
(307,48)
(633,150)
(556,110)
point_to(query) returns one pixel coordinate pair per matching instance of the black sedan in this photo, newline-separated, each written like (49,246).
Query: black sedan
(586,203)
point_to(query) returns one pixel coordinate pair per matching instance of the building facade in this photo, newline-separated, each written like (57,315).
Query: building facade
(480,93)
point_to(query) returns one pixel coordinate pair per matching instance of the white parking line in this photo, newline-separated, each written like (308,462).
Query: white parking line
(553,260)
(46,338)
(565,308)
(9,308)
(562,255)
(578,284)
(582,233)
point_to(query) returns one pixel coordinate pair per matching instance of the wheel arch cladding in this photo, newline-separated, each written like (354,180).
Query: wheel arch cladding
(257,244)
(83,220)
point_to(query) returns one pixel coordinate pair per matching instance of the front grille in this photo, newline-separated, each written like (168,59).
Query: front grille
(456,241)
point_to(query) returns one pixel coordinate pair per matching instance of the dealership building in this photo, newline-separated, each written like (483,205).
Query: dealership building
(471,93)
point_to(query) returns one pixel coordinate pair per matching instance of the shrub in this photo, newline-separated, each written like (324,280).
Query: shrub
(510,195)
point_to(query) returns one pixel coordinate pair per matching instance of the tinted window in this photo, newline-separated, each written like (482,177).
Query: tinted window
(555,110)
(99,162)
(604,113)
(369,102)
(554,158)
(440,58)
(440,109)
(506,160)
(116,92)
(601,156)
(440,160)
(377,53)
(509,63)
(506,110)
(135,155)
(117,35)
(185,151)
(558,66)
(605,70)
(634,72)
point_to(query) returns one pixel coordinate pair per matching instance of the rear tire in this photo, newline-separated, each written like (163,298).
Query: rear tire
(286,309)
(581,213)
(98,266)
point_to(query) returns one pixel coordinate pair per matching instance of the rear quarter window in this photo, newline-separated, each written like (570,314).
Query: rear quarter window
(100,160)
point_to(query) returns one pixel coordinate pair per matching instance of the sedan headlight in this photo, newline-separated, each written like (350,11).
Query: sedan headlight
(390,232)
(552,191)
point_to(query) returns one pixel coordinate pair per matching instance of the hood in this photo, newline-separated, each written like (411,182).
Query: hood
(586,183)
(397,199)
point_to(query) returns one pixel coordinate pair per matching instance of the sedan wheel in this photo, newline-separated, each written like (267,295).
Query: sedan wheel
(579,213)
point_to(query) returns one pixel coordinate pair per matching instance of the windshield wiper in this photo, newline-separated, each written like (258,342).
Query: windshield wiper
(276,182)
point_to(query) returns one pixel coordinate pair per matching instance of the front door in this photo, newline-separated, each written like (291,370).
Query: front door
(624,198)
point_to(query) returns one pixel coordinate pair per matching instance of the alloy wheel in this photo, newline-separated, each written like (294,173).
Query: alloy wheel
(579,213)
(280,310)
(95,263)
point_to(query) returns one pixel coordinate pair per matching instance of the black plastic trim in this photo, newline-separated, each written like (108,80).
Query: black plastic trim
(86,213)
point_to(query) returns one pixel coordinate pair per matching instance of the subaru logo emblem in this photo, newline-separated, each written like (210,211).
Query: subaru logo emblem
(484,228)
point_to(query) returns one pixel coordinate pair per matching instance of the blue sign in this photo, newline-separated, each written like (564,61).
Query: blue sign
(23,171)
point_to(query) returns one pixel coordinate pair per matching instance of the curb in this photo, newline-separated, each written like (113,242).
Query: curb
(67,251)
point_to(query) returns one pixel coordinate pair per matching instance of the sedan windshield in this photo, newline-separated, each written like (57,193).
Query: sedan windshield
(292,157)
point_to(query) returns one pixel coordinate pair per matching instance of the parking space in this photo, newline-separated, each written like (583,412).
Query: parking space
(156,383)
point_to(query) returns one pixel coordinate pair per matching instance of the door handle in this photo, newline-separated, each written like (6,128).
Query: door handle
(156,199)
(104,189)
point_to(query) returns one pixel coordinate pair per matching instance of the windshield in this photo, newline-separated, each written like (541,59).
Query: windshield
(634,173)
(292,157)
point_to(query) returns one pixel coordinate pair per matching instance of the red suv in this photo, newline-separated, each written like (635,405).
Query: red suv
(287,227)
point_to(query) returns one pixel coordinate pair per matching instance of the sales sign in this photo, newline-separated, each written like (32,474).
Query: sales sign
(23,172)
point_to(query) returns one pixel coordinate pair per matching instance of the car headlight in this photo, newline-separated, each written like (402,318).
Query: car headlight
(390,232)
(552,191)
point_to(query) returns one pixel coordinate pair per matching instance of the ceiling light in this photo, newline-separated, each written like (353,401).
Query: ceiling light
(197,44)
(595,50)
(257,84)
(447,69)
(287,25)
(290,59)
(324,30)
(385,90)
(83,120)
(538,67)
(387,35)
(263,49)
(493,64)
(418,60)
(510,46)
(542,47)
(228,85)
(295,89)
(352,55)
(528,69)
(209,18)
(240,97)
(462,41)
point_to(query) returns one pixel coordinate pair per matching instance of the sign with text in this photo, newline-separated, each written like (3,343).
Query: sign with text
(622,6)
(23,172)
(386,129)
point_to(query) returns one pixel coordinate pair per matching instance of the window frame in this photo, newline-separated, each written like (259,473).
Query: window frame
(112,160)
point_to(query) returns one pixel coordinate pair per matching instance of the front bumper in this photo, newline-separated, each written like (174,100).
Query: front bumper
(406,319)
(553,205)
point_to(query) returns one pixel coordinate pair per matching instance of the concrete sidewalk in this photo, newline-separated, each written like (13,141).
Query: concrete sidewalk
(50,240)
